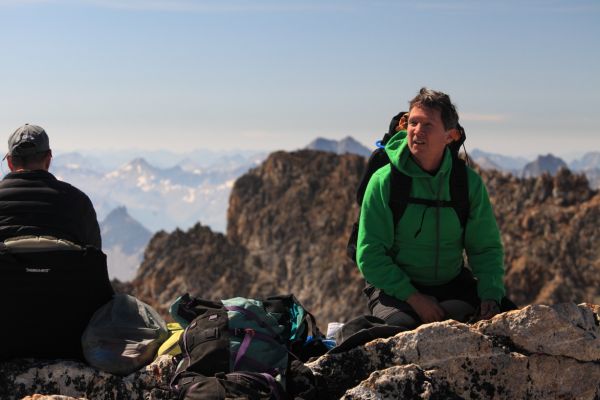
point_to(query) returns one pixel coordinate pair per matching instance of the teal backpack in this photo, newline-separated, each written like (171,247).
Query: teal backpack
(243,335)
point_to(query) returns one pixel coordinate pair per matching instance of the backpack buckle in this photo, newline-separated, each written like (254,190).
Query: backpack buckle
(244,331)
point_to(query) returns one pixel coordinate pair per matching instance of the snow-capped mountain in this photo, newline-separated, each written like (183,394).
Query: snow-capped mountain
(170,198)
(160,198)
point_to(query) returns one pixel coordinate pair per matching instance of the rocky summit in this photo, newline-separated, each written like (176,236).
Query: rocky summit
(538,352)
(289,220)
(549,228)
(288,225)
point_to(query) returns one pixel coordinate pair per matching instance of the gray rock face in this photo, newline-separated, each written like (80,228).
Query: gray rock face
(69,379)
(539,352)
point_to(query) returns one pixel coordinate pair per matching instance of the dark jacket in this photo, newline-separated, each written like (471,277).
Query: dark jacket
(36,203)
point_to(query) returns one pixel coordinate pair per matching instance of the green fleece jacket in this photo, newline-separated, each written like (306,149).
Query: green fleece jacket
(427,247)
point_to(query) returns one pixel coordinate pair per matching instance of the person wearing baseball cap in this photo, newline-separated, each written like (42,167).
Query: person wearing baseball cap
(34,203)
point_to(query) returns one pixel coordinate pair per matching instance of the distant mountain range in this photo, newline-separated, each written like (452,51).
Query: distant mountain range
(346,145)
(543,164)
(164,191)
(498,162)
(160,198)
(156,198)
(123,240)
(589,165)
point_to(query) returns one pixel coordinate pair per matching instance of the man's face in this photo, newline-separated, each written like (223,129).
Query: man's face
(427,137)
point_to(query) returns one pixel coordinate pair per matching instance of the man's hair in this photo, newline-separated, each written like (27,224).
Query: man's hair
(29,160)
(439,101)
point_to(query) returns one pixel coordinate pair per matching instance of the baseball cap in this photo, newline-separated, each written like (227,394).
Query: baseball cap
(28,139)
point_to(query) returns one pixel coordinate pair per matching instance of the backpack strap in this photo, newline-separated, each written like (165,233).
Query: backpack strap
(249,335)
(400,185)
(459,190)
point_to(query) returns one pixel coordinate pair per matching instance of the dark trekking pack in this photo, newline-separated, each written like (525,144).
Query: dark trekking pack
(400,183)
(49,295)
(233,385)
(242,336)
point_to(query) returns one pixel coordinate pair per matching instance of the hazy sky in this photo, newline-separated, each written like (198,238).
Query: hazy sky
(254,74)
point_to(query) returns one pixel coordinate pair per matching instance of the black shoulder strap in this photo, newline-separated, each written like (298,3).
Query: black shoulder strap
(400,185)
(459,189)
(378,159)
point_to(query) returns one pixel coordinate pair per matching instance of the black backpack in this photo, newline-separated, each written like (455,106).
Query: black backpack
(240,347)
(400,184)
(49,296)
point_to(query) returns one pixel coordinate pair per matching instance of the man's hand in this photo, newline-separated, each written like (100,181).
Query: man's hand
(426,307)
(488,308)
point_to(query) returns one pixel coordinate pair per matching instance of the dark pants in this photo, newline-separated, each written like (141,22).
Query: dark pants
(458,295)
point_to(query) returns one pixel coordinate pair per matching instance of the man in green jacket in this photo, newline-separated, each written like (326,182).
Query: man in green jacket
(416,269)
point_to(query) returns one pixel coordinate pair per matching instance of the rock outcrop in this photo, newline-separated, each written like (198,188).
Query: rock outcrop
(288,224)
(539,352)
(198,261)
(27,377)
(289,220)
(550,234)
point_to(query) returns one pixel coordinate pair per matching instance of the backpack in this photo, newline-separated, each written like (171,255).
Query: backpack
(241,335)
(233,385)
(50,290)
(400,183)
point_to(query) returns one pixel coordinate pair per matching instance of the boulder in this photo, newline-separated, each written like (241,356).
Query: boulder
(67,380)
(538,352)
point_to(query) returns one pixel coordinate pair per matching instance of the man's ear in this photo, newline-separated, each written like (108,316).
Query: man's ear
(10,163)
(452,135)
(47,160)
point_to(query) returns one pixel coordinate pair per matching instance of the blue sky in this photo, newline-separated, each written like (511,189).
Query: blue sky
(186,74)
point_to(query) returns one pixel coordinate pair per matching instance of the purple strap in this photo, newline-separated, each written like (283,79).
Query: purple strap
(275,388)
(253,316)
(243,347)
(250,334)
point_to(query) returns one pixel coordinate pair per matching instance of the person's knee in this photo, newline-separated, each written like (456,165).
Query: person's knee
(458,310)
(400,318)
(393,316)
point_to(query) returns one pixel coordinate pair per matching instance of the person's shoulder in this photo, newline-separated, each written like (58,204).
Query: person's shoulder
(378,182)
(382,173)
(475,182)
(473,176)
(66,187)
